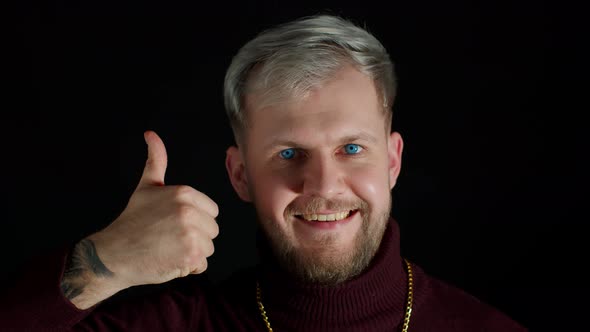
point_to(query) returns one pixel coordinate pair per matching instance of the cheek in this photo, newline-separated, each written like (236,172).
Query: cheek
(371,184)
(272,194)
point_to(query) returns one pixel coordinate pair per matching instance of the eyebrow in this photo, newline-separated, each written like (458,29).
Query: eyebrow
(360,136)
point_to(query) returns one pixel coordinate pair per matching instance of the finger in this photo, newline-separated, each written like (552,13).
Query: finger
(208,226)
(201,267)
(157,161)
(206,204)
(207,247)
(196,198)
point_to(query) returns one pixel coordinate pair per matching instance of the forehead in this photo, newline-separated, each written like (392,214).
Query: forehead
(346,105)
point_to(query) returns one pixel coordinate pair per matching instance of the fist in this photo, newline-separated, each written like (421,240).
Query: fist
(165,232)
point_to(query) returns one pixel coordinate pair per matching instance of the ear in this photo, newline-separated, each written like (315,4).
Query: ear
(395,146)
(236,171)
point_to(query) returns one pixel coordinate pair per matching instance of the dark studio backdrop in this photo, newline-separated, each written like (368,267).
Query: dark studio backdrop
(488,197)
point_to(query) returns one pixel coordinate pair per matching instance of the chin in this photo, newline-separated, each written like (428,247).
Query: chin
(324,259)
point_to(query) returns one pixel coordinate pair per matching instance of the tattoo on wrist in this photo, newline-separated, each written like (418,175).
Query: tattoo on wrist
(82,264)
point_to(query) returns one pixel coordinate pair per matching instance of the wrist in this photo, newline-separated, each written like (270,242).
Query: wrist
(109,261)
(89,291)
(87,280)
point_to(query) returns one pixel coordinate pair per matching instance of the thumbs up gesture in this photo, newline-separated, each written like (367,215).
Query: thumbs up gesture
(165,232)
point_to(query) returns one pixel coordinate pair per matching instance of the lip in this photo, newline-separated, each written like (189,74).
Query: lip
(328,225)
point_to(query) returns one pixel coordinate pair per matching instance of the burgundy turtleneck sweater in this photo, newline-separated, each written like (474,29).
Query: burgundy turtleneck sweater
(373,301)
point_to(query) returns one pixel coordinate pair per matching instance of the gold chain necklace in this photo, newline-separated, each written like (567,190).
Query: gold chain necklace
(407,314)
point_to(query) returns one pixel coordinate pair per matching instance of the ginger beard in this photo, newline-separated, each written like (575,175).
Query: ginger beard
(329,265)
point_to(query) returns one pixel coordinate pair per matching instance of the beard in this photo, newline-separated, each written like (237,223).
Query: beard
(329,265)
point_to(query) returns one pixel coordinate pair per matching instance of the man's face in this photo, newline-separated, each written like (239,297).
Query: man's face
(319,172)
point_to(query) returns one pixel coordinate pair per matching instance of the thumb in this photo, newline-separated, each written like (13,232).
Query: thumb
(157,160)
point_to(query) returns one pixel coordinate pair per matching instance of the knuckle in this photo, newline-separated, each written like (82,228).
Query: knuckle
(192,258)
(203,265)
(210,249)
(183,191)
(184,271)
(207,204)
(215,230)
(188,242)
(199,266)
(215,209)
(184,211)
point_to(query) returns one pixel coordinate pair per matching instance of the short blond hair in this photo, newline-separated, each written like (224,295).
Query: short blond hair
(289,60)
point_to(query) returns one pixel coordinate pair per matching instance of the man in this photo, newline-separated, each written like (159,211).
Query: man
(310,106)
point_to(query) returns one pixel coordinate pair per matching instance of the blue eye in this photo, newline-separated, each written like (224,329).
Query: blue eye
(287,153)
(352,148)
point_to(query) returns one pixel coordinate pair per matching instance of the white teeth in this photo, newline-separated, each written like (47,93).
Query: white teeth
(326,217)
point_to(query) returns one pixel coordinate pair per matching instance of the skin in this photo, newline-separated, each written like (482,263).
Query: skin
(322,176)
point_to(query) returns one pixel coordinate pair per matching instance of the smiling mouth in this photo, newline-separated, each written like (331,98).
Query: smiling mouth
(325,217)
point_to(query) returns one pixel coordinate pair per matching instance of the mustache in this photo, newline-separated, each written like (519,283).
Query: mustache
(314,204)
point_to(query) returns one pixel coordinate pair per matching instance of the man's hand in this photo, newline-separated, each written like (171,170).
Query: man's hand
(165,232)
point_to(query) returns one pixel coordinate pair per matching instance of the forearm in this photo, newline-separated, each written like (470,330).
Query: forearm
(86,280)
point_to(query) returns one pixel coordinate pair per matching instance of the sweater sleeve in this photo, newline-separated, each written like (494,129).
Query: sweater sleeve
(35,302)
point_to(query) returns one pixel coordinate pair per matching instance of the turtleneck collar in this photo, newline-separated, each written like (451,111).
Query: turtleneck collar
(377,294)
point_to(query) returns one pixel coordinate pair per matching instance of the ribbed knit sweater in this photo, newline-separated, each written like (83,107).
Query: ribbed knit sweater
(373,301)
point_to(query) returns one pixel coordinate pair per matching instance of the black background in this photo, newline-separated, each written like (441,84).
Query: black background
(490,197)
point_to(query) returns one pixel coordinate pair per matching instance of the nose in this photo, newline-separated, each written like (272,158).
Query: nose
(323,176)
